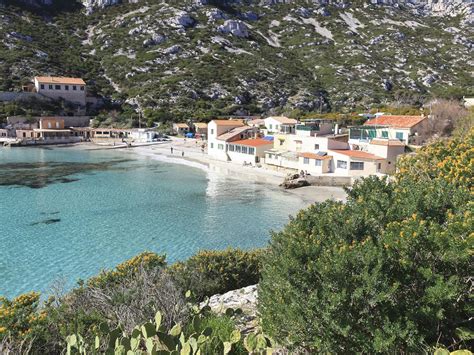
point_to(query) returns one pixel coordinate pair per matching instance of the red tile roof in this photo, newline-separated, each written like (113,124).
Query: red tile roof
(358,154)
(395,121)
(59,80)
(257,142)
(315,156)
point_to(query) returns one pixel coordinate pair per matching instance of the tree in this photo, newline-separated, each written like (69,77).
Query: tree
(388,271)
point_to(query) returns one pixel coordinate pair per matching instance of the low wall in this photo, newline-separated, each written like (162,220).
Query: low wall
(330,180)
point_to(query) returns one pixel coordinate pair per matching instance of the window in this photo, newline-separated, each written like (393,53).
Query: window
(270,156)
(212,145)
(74,87)
(318,162)
(384,134)
(57,87)
(231,147)
(50,87)
(220,146)
(270,126)
(306,161)
(42,86)
(316,147)
(82,88)
(66,87)
(49,124)
(379,166)
(238,148)
(57,124)
(399,135)
(357,165)
(341,164)
(251,151)
(282,141)
(244,150)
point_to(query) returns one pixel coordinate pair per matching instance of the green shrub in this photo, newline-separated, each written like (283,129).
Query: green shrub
(386,272)
(211,272)
(146,260)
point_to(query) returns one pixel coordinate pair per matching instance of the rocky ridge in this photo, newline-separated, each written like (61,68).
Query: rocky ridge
(203,60)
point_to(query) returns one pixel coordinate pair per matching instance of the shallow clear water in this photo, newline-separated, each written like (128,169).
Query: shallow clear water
(66,213)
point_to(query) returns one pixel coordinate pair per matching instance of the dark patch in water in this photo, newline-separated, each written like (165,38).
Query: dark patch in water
(47,221)
(55,212)
(39,175)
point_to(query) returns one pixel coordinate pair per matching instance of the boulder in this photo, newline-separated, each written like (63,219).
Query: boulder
(235,27)
(154,40)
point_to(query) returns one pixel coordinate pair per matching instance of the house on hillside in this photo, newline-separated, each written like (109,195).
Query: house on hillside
(280,124)
(248,151)
(70,89)
(180,128)
(403,128)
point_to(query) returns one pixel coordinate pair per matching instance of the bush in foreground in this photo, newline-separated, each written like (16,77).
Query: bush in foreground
(389,271)
(210,272)
(127,295)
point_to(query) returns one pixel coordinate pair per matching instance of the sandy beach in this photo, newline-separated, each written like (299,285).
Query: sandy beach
(193,156)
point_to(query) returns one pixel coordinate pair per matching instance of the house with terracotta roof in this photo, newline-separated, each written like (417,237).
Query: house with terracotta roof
(279,124)
(402,128)
(248,151)
(180,128)
(69,89)
(221,132)
(315,163)
(200,129)
(356,163)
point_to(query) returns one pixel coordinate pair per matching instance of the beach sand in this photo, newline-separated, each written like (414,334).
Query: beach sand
(193,156)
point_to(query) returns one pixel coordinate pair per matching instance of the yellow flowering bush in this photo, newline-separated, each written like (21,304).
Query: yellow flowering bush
(451,160)
(389,271)
(210,272)
(19,316)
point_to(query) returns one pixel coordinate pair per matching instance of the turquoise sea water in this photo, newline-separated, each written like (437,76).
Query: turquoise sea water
(66,213)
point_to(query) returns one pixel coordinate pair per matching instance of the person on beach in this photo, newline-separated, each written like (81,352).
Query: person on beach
(182,153)
(171,150)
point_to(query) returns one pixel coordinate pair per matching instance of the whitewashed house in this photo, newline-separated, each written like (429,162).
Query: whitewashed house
(356,163)
(248,151)
(221,132)
(402,128)
(279,125)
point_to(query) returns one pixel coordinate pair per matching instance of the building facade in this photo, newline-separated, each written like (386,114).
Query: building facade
(70,89)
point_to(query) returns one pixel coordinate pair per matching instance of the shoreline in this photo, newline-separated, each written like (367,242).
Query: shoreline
(193,157)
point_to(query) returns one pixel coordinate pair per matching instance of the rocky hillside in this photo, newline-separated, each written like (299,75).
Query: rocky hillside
(209,57)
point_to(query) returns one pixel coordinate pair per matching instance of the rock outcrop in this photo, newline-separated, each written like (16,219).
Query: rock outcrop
(235,27)
(244,299)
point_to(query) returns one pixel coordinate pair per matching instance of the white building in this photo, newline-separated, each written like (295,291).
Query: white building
(219,132)
(279,124)
(402,128)
(70,89)
(356,163)
(248,151)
